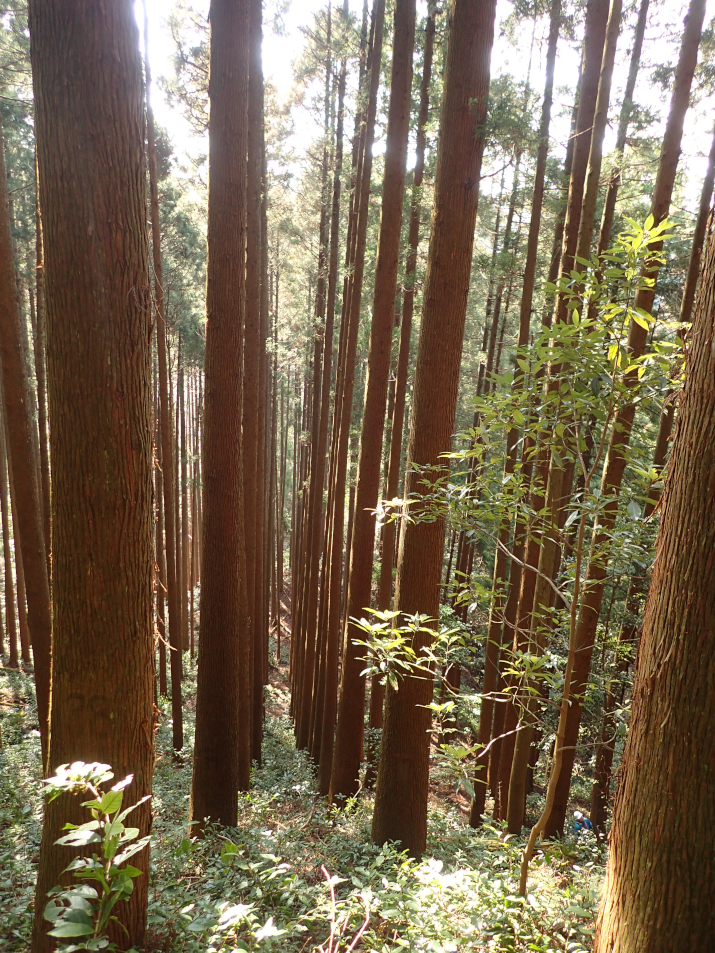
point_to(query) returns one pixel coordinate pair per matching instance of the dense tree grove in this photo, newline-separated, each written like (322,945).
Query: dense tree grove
(357,473)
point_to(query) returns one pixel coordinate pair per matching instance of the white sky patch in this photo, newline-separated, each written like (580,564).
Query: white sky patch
(281,50)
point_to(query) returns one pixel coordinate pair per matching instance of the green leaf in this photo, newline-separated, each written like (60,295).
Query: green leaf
(79,838)
(634,510)
(111,802)
(71,929)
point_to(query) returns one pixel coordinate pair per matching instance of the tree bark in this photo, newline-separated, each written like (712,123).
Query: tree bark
(165,425)
(348,738)
(92,193)
(593,586)
(661,872)
(223,694)
(31,554)
(403,775)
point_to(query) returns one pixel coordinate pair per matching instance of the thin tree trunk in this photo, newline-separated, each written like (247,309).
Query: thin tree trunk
(31,555)
(403,776)
(593,586)
(7,551)
(165,426)
(389,529)
(348,739)
(352,296)
(41,373)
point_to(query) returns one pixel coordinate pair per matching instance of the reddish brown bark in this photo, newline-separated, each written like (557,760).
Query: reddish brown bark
(92,191)
(403,776)
(348,739)
(661,873)
(593,586)
(31,555)
(165,425)
(223,693)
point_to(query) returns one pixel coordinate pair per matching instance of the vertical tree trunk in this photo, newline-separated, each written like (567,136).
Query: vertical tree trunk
(7,551)
(31,555)
(403,776)
(595,35)
(223,694)
(661,873)
(348,738)
(185,640)
(593,586)
(92,192)
(355,255)
(41,373)
(165,427)
(389,529)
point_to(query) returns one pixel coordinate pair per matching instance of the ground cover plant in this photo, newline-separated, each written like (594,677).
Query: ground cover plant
(297,874)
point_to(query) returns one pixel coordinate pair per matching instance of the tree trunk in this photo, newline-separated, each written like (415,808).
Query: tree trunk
(578,201)
(92,191)
(7,551)
(344,396)
(661,872)
(348,738)
(223,693)
(403,776)
(41,373)
(31,553)
(389,529)
(165,426)
(593,586)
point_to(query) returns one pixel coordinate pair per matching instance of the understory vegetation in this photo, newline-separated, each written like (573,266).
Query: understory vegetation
(297,874)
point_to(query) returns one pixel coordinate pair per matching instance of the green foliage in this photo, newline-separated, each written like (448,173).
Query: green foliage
(83,912)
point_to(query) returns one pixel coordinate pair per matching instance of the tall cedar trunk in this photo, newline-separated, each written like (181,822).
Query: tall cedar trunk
(223,692)
(31,555)
(7,551)
(389,529)
(497,631)
(19,568)
(321,373)
(535,468)
(252,351)
(165,427)
(661,872)
(593,586)
(320,714)
(185,641)
(348,738)
(352,295)
(595,33)
(403,776)
(614,183)
(161,568)
(41,374)
(92,191)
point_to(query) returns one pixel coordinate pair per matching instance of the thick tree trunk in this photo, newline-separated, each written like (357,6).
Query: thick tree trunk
(223,692)
(661,874)
(92,190)
(403,776)
(348,738)
(31,555)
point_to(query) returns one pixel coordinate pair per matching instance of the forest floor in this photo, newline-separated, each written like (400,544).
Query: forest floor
(263,885)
